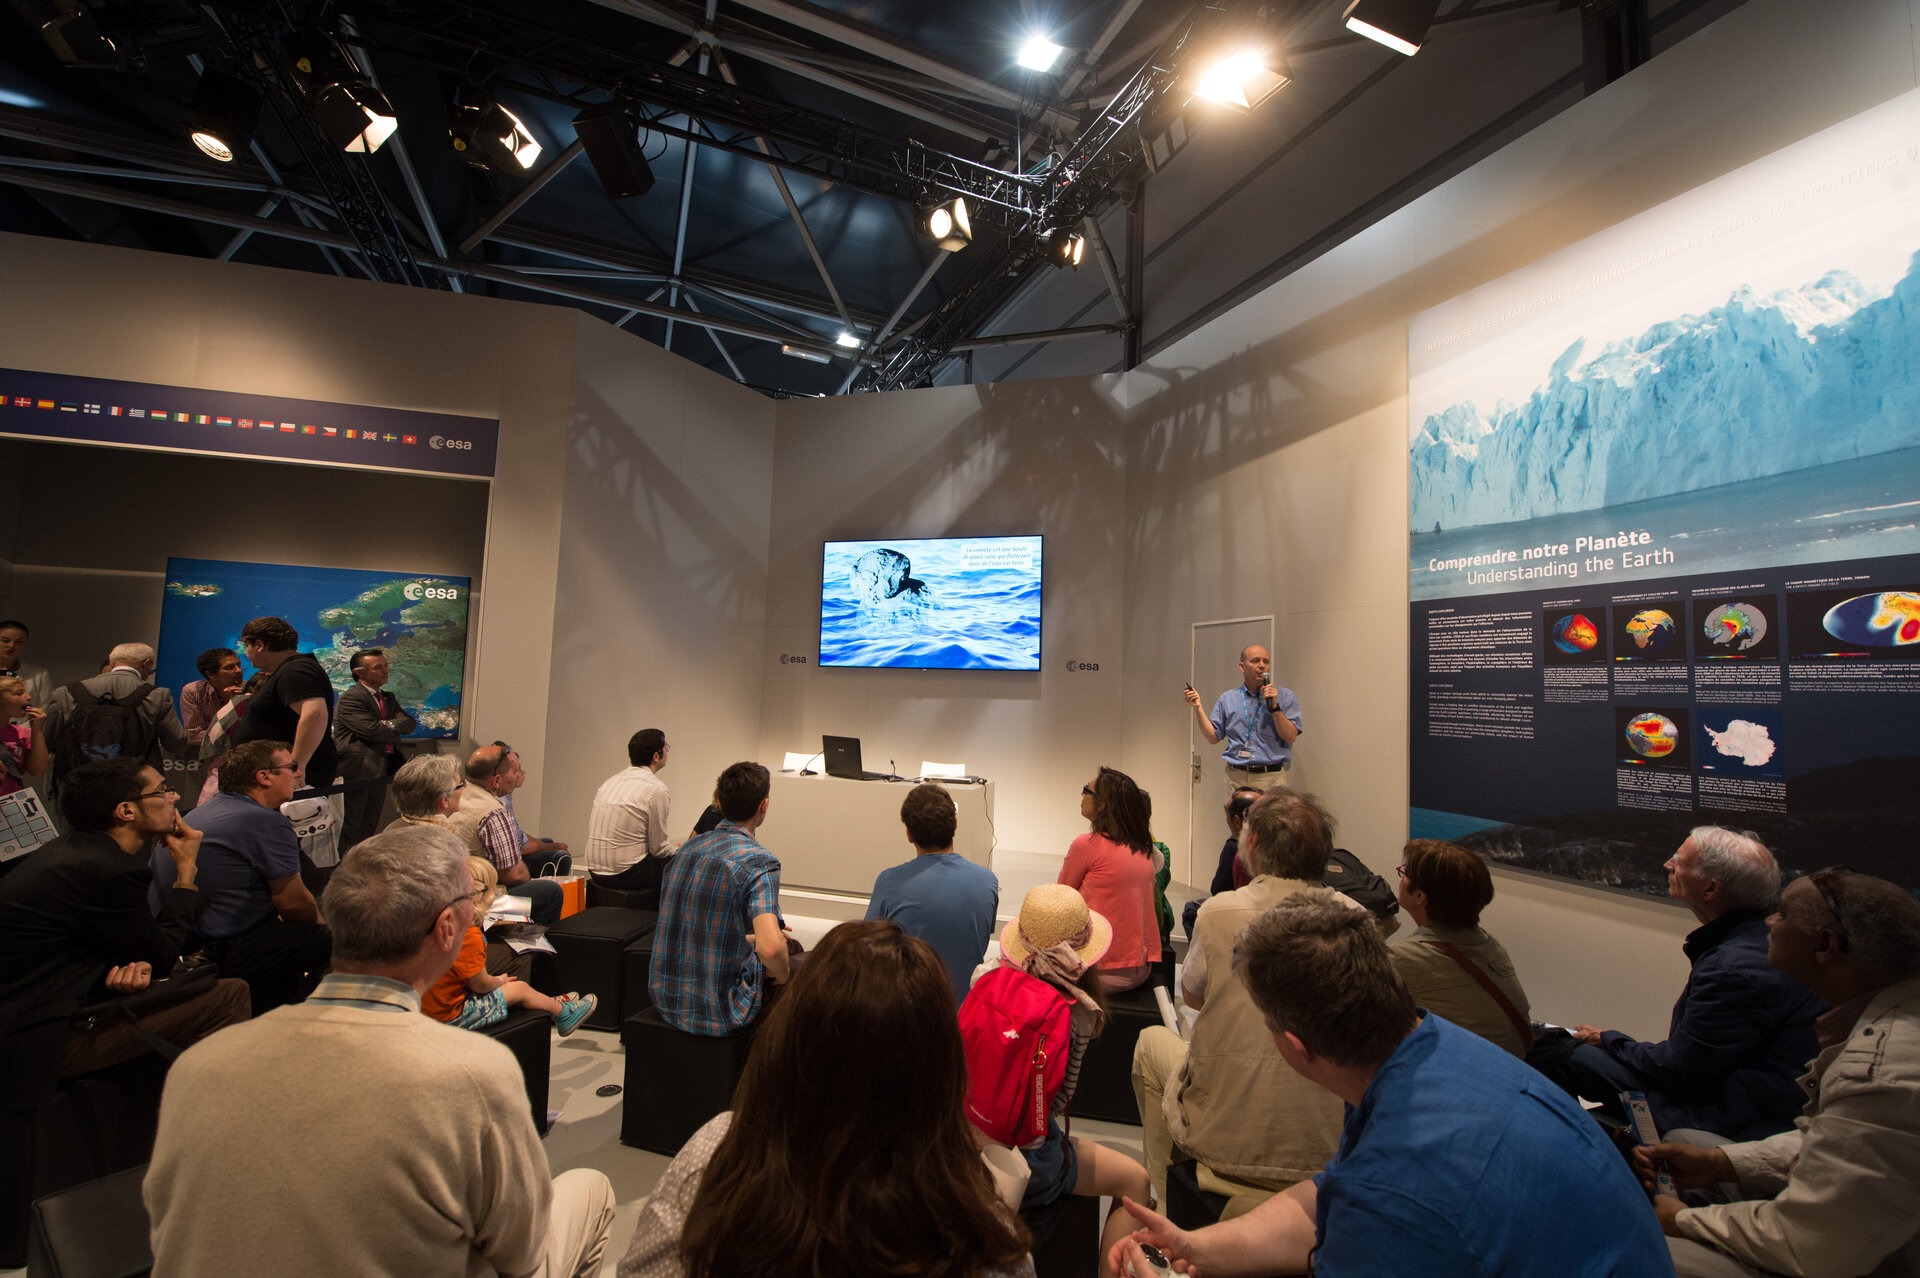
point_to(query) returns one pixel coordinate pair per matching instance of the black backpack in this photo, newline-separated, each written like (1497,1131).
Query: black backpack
(1348,874)
(99,728)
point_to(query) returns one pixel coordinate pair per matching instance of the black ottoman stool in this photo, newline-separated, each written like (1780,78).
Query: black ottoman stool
(639,961)
(598,894)
(528,1034)
(95,1230)
(1066,1238)
(1106,1074)
(591,948)
(1188,1205)
(675,1081)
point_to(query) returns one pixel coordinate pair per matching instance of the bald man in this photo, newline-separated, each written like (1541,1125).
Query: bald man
(1259,720)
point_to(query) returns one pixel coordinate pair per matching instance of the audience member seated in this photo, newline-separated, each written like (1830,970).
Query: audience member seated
(74,921)
(1228,874)
(1840,1193)
(1059,939)
(351,1135)
(1742,1030)
(939,896)
(465,996)
(485,822)
(720,952)
(1456,1159)
(220,681)
(13,651)
(368,725)
(294,705)
(261,923)
(24,757)
(848,1150)
(75,726)
(1224,1098)
(427,790)
(1112,866)
(627,843)
(1450,965)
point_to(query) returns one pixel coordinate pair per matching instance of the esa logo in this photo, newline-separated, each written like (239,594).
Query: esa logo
(1073,665)
(438,442)
(419,590)
(794,659)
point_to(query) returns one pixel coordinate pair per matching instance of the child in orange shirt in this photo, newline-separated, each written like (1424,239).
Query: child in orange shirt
(465,996)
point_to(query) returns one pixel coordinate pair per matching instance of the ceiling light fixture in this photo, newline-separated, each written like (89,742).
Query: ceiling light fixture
(77,39)
(355,116)
(1064,249)
(224,112)
(491,137)
(848,340)
(1039,54)
(612,141)
(1401,25)
(949,225)
(800,352)
(1242,79)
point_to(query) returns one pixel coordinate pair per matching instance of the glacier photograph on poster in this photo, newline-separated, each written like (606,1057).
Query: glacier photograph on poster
(1669,478)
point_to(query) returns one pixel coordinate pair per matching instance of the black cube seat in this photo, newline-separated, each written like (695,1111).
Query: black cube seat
(1106,1074)
(1188,1205)
(675,1081)
(591,955)
(599,894)
(636,996)
(93,1230)
(528,1034)
(1066,1237)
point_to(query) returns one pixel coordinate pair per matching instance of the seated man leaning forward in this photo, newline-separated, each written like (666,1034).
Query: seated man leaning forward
(1742,1030)
(352,1135)
(1840,1193)
(719,946)
(485,822)
(1224,1098)
(939,896)
(1457,1161)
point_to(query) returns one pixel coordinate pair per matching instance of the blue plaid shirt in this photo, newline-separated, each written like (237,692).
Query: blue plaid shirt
(706,977)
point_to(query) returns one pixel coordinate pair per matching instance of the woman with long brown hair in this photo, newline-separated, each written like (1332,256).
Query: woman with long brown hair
(848,1153)
(1112,866)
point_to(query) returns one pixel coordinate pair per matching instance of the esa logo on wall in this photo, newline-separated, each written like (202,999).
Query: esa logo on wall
(418,590)
(439,442)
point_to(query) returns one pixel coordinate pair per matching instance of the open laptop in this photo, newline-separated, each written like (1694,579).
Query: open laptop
(843,759)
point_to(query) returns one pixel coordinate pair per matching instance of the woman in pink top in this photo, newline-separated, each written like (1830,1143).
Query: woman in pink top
(23,745)
(1112,866)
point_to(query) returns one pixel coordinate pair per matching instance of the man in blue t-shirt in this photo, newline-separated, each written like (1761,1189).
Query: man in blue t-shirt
(261,924)
(1456,1160)
(939,896)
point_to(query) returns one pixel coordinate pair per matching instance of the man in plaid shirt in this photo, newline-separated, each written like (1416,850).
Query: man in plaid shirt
(719,946)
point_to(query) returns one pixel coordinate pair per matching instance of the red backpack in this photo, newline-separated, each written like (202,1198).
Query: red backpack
(1015,1028)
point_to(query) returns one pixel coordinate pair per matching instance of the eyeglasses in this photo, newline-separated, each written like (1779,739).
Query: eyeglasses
(1822,881)
(1087,790)
(154,794)
(1400,870)
(468,897)
(281,767)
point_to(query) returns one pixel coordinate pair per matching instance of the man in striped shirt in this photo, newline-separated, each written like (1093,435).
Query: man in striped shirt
(627,845)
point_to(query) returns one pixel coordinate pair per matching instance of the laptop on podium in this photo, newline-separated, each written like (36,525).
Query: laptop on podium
(843,759)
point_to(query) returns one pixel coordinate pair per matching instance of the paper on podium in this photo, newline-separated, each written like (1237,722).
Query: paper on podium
(929,770)
(796,761)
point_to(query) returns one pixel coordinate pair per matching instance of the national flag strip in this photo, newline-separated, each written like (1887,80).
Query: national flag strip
(245,423)
(43,403)
(390,438)
(288,427)
(409,439)
(331,431)
(223,421)
(117,411)
(69,406)
(161,413)
(201,419)
(309,430)
(23,401)
(90,408)
(136,412)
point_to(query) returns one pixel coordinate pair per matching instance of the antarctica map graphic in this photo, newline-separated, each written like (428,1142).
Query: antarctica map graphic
(419,619)
(1664,529)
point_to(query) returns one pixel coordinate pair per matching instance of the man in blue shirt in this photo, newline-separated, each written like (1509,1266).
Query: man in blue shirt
(1456,1160)
(939,896)
(1259,721)
(261,923)
(719,944)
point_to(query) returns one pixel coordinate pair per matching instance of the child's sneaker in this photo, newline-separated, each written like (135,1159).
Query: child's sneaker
(573,1011)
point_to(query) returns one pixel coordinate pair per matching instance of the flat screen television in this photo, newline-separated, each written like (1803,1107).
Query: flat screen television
(948,603)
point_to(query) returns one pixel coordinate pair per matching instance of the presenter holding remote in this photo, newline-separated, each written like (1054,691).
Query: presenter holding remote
(1259,720)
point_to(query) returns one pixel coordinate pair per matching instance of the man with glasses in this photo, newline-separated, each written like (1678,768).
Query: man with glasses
(1840,1193)
(486,824)
(74,923)
(261,923)
(1742,1030)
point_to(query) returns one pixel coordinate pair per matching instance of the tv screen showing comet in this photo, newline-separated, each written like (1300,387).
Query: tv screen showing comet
(952,603)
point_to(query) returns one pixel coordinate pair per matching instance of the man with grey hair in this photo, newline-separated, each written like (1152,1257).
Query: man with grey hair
(1839,1194)
(1741,1031)
(1455,1160)
(117,714)
(416,1152)
(427,789)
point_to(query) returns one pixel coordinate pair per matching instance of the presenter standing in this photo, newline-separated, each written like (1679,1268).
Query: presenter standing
(1259,720)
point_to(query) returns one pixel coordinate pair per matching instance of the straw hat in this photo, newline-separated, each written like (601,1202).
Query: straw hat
(1052,913)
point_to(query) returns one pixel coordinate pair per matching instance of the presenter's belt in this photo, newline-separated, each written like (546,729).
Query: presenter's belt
(1257,767)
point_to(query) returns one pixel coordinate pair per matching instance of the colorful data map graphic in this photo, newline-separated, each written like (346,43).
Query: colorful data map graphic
(1575,633)
(1652,736)
(1738,626)
(1890,619)
(1651,630)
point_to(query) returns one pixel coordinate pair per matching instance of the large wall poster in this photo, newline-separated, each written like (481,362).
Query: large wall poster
(420,619)
(1665,529)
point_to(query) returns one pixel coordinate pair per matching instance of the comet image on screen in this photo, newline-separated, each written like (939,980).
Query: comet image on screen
(954,603)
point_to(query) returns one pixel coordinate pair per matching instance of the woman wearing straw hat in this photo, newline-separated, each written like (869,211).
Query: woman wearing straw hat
(1057,939)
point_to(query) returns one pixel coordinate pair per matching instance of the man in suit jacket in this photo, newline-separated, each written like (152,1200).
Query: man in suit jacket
(129,666)
(367,725)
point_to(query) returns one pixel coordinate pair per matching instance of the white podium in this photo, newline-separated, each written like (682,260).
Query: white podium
(836,835)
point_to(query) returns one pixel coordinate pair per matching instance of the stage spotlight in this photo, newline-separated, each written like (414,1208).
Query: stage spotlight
(1399,24)
(1064,248)
(848,340)
(77,39)
(1242,79)
(224,113)
(949,225)
(1039,54)
(355,116)
(492,137)
(612,142)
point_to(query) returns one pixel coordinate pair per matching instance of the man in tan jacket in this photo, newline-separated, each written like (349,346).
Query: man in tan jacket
(1225,1098)
(1839,1195)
